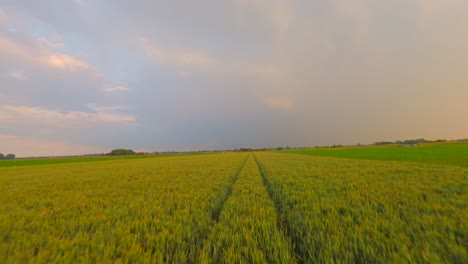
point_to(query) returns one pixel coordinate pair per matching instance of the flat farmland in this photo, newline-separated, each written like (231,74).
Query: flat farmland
(356,211)
(257,207)
(448,153)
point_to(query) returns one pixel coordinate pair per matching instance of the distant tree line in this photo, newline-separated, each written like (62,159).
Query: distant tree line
(408,141)
(263,149)
(244,149)
(281,148)
(8,156)
(122,152)
(332,146)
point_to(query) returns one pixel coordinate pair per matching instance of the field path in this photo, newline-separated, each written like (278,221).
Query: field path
(226,193)
(246,230)
(281,209)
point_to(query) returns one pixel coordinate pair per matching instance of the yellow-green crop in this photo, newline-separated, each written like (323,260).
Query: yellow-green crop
(355,211)
(260,207)
(150,210)
(247,230)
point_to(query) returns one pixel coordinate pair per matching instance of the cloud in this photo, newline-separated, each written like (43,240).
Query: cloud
(184,74)
(152,51)
(106,108)
(40,53)
(175,57)
(53,117)
(450,14)
(49,44)
(429,9)
(109,117)
(3,17)
(64,62)
(17,75)
(194,58)
(281,19)
(277,14)
(281,103)
(115,89)
(11,48)
(29,147)
(356,17)
(250,66)
(80,2)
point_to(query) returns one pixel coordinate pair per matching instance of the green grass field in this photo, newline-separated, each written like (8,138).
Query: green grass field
(259,207)
(60,160)
(79,159)
(452,153)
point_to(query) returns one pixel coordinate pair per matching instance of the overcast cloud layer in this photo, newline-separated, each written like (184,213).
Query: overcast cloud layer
(84,76)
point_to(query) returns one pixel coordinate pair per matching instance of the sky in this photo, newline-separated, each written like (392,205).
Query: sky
(88,76)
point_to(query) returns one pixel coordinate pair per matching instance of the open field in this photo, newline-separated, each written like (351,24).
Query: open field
(79,159)
(261,207)
(60,160)
(354,211)
(451,153)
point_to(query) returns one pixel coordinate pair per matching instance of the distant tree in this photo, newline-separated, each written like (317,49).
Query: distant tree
(407,141)
(2,156)
(413,141)
(121,152)
(383,143)
(10,156)
(245,149)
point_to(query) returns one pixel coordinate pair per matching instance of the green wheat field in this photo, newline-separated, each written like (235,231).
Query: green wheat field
(384,204)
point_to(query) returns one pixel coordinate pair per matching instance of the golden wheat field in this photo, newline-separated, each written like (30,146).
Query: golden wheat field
(256,207)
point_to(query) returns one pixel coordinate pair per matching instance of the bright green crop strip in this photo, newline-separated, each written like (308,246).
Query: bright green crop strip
(140,211)
(357,211)
(451,153)
(247,230)
(60,160)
